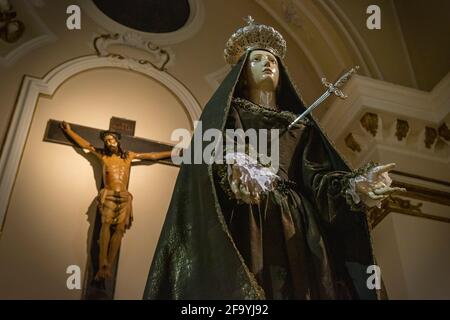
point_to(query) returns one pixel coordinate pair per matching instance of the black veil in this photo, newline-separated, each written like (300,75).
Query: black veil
(196,257)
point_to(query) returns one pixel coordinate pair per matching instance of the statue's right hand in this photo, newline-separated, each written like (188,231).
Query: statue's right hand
(248,179)
(65,126)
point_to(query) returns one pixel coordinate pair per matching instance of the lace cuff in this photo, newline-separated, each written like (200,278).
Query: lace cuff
(246,179)
(363,176)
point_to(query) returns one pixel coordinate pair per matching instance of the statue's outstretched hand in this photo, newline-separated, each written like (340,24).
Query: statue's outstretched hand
(248,179)
(374,186)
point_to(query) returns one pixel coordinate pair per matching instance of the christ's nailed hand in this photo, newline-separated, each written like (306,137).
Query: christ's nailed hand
(65,126)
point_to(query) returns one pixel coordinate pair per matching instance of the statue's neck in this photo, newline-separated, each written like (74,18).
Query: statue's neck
(262,97)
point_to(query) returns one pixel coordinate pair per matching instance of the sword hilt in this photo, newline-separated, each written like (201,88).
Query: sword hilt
(334,88)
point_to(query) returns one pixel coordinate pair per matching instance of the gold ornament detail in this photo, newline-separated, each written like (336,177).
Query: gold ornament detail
(444,132)
(370,122)
(430,137)
(351,143)
(254,36)
(393,204)
(402,129)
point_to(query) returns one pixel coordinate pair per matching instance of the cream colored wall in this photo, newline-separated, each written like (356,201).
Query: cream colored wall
(413,252)
(426,30)
(47,226)
(386,250)
(385,44)
(423,249)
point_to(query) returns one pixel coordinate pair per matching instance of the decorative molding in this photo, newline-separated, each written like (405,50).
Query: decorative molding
(430,137)
(45,37)
(444,132)
(417,192)
(384,97)
(407,113)
(351,143)
(399,203)
(32,88)
(401,129)
(413,156)
(418,188)
(431,180)
(11,28)
(402,206)
(192,26)
(392,204)
(160,56)
(369,122)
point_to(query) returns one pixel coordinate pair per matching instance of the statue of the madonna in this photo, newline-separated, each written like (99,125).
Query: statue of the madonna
(248,230)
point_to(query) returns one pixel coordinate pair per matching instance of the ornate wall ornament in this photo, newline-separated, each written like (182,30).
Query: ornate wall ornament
(430,137)
(393,204)
(191,28)
(41,35)
(444,132)
(405,206)
(369,121)
(160,57)
(402,129)
(351,143)
(375,215)
(399,203)
(11,29)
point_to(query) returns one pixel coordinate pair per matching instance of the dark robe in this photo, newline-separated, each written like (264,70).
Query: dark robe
(302,241)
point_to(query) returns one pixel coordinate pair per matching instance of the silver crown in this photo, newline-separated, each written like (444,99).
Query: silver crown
(254,36)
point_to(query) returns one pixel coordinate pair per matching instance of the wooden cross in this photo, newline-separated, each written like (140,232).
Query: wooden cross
(53,133)
(104,289)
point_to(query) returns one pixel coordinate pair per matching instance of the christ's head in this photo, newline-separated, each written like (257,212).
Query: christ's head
(111,142)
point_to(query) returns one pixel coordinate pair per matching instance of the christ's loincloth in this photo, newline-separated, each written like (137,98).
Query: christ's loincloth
(115,207)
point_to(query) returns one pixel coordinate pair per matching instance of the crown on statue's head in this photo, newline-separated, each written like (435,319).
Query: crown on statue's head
(254,36)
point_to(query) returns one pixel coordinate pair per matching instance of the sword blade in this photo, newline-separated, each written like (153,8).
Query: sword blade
(311,108)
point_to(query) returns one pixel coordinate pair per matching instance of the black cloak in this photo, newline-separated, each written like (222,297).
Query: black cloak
(197,257)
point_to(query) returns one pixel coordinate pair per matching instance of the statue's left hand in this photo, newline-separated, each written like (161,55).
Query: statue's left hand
(375,185)
(248,179)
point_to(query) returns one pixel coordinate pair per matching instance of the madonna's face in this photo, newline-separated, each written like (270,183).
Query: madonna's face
(262,70)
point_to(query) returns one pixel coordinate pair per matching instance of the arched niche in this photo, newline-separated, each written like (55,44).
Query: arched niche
(48,190)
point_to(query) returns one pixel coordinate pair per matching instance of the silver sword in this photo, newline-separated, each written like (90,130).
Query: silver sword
(332,88)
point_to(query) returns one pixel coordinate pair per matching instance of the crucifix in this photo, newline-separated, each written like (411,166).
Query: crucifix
(113,149)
